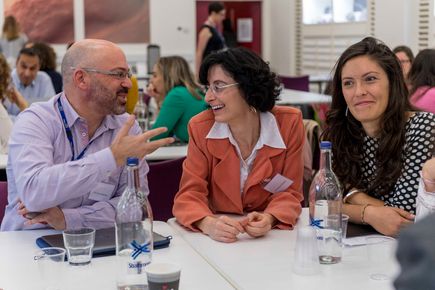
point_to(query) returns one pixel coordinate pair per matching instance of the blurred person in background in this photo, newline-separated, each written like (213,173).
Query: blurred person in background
(209,37)
(12,40)
(47,56)
(422,81)
(33,84)
(177,94)
(406,58)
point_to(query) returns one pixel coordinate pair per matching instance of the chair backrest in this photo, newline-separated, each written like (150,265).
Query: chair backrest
(300,83)
(163,182)
(311,154)
(153,55)
(3,198)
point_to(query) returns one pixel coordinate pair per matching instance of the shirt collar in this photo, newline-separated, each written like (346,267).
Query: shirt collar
(269,132)
(18,80)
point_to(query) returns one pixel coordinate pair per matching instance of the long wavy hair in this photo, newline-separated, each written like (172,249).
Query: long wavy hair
(5,77)
(422,72)
(347,134)
(176,72)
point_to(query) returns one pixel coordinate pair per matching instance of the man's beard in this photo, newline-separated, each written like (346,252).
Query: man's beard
(106,100)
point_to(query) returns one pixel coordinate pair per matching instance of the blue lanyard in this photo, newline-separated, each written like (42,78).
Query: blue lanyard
(69,134)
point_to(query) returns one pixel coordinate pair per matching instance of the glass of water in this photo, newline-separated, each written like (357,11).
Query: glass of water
(50,265)
(79,245)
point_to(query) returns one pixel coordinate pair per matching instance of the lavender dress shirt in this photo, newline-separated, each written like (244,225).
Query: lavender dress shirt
(42,175)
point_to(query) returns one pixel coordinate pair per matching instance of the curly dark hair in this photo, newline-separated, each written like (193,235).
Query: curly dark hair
(422,72)
(347,134)
(260,86)
(47,55)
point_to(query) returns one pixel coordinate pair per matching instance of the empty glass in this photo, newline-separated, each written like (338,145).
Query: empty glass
(50,265)
(79,245)
(380,252)
(306,261)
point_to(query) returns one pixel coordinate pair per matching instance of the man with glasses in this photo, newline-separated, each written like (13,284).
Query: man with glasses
(66,157)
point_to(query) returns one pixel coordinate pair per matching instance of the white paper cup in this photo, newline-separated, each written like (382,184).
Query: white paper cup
(163,276)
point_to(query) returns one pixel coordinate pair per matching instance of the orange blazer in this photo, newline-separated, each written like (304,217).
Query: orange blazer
(211,174)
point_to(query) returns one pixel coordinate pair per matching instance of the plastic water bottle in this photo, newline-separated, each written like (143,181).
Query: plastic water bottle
(134,228)
(141,111)
(325,209)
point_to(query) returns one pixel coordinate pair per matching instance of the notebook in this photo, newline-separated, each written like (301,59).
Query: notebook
(105,244)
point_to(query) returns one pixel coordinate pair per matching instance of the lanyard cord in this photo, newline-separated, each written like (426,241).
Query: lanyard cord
(69,134)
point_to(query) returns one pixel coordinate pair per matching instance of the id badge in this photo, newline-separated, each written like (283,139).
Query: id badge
(278,183)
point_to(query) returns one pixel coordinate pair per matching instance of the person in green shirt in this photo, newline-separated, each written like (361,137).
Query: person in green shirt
(177,94)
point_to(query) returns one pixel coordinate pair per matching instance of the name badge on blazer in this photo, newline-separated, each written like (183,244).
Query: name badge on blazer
(277,184)
(102,192)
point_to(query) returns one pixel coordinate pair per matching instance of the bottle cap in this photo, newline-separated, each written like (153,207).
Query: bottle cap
(325,145)
(132,161)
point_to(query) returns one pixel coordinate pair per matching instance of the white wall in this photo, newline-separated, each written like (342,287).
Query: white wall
(173,26)
(396,22)
(279,35)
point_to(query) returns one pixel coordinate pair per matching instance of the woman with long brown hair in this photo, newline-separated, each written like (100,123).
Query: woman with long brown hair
(379,142)
(177,94)
(7,94)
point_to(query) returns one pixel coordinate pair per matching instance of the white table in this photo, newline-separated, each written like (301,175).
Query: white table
(292,97)
(266,263)
(320,79)
(3,161)
(19,271)
(168,152)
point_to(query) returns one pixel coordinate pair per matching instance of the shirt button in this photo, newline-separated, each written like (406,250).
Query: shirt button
(84,134)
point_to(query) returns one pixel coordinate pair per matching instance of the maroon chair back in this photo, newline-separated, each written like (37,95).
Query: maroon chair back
(163,182)
(300,83)
(3,198)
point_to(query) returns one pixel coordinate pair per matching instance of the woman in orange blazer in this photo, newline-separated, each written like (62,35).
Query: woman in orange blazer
(245,155)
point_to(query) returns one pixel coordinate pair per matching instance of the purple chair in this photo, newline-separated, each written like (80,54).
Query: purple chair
(300,83)
(3,198)
(163,182)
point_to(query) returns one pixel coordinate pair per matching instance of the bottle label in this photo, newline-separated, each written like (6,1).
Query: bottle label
(139,249)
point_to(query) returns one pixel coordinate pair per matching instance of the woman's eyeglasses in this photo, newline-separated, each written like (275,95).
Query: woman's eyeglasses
(216,89)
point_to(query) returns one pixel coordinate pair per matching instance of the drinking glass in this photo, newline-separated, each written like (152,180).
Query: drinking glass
(380,252)
(79,245)
(50,265)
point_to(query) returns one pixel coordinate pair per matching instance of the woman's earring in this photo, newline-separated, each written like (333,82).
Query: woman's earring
(253,109)
(347,111)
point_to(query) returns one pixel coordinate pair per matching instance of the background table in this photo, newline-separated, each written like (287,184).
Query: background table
(3,161)
(18,270)
(266,263)
(168,152)
(293,97)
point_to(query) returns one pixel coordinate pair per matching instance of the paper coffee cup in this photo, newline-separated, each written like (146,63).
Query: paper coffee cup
(163,276)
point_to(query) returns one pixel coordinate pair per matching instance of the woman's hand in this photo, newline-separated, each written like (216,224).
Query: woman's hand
(15,97)
(259,223)
(387,220)
(222,229)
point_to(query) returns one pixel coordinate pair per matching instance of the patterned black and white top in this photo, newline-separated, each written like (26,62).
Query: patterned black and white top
(419,145)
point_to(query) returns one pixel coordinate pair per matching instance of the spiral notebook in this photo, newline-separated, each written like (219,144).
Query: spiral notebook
(105,244)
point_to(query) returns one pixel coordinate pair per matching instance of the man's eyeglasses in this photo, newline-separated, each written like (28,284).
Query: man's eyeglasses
(218,89)
(118,74)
